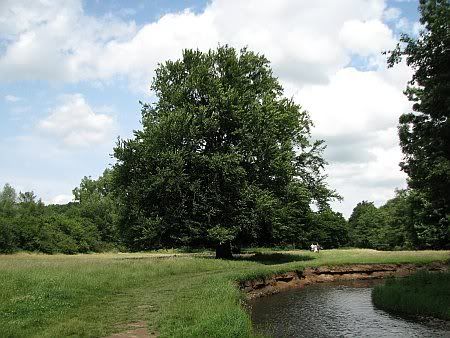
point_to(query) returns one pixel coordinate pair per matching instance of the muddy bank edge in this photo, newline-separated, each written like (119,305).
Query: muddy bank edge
(296,279)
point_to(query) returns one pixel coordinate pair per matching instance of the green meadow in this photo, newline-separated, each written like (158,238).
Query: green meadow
(175,294)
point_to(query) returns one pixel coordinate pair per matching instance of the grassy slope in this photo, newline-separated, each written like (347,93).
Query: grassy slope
(94,295)
(423,293)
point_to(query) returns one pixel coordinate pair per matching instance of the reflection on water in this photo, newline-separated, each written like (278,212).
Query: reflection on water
(341,309)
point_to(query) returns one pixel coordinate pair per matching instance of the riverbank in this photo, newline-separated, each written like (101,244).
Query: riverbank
(174,294)
(421,294)
(341,308)
(272,284)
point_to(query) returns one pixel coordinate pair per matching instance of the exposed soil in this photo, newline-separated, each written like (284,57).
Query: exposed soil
(135,330)
(276,283)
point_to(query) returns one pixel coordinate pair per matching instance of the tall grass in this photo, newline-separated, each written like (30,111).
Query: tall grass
(176,294)
(424,293)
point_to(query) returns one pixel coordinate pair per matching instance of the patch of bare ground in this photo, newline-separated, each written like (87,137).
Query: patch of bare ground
(276,283)
(135,330)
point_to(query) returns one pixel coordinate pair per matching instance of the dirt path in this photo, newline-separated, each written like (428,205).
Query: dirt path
(135,330)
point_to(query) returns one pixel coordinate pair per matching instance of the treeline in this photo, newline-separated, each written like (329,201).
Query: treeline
(87,225)
(93,224)
(404,222)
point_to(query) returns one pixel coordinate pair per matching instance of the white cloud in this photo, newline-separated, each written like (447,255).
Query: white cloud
(356,102)
(61,199)
(366,38)
(310,45)
(76,124)
(54,41)
(357,113)
(301,38)
(392,14)
(374,180)
(12,98)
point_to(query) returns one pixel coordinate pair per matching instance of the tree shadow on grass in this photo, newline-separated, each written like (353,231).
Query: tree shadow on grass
(274,258)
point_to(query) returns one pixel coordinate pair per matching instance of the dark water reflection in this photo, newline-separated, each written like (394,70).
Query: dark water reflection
(341,309)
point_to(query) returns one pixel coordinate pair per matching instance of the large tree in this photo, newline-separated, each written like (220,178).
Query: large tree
(221,154)
(425,132)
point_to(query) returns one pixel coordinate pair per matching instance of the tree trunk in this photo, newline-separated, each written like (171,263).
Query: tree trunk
(223,250)
(236,249)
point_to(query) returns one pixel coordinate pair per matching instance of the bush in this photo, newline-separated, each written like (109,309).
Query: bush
(59,234)
(7,237)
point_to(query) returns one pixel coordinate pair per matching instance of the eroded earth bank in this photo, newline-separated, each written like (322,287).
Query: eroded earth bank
(275,283)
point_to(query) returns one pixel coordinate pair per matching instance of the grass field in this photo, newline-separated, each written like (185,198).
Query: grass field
(184,295)
(424,293)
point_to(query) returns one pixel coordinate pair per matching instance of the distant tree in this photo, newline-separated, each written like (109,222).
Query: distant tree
(425,132)
(98,205)
(221,152)
(399,231)
(27,224)
(366,225)
(8,199)
(29,204)
(330,229)
(8,241)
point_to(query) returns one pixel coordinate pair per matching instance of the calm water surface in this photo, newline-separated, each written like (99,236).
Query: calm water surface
(341,309)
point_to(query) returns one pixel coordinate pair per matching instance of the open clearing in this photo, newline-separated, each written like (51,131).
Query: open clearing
(175,294)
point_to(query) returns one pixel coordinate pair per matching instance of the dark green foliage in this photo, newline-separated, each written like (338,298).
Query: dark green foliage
(66,235)
(222,157)
(404,220)
(423,293)
(366,225)
(395,225)
(330,229)
(8,198)
(398,224)
(27,224)
(8,241)
(98,204)
(425,132)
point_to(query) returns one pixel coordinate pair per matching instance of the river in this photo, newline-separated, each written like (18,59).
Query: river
(338,309)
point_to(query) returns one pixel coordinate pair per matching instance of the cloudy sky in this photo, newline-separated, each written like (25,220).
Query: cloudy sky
(72,73)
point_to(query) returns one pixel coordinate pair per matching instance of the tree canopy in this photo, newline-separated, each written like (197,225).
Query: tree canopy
(98,204)
(223,157)
(425,132)
(27,224)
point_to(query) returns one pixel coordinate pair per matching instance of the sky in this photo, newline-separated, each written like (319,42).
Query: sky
(72,74)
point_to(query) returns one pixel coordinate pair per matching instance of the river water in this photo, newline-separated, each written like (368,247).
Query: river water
(338,309)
